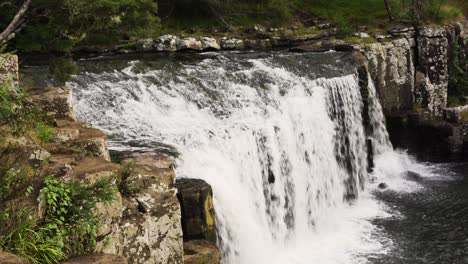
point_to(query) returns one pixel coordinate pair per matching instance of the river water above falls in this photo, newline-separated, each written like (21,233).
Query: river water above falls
(280,138)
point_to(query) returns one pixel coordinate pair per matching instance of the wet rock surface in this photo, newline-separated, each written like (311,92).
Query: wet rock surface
(198,217)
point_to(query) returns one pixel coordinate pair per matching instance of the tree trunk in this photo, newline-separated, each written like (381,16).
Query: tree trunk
(15,23)
(389,10)
(418,11)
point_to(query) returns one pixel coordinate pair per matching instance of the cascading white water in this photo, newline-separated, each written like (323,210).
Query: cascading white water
(284,152)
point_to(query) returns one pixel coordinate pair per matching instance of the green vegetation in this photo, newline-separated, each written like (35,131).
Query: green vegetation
(124,182)
(61,25)
(464,116)
(195,16)
(65,224)
(458,80)
(69,212)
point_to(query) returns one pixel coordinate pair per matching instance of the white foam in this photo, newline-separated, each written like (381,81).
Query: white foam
(237,127)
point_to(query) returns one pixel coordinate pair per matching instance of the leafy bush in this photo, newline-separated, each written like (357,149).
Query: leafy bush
(61,25)
(124,183)
(69,212)
(26,240)
(44,132)
(16,112)
(13,182)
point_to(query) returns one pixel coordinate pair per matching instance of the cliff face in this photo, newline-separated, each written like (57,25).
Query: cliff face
(411,75)
(143,226)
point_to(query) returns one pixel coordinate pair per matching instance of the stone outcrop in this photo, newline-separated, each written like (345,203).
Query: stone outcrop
(56,101)
(209,44)
(391,67)
(411,74)
(150,228)
(8,68)
(189,44)
(431,81)
(139,226)
(198,221)
(231,43)
(198,216)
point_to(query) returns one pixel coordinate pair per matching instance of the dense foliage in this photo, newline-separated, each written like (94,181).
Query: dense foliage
(60,25)
(66,223)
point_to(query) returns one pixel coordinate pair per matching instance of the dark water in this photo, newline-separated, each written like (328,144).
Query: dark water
(433,227)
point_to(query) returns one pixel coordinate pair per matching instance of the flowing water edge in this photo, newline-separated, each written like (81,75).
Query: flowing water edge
(280,138)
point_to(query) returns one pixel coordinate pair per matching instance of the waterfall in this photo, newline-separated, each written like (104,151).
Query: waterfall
(283,148)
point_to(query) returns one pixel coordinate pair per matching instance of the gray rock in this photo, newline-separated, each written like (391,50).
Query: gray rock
(362,35)
(382,185)
(391,67)
(232,44)
(432,82)
(166,43)
(413,176)
(198,216)
(209,44)
(189,44)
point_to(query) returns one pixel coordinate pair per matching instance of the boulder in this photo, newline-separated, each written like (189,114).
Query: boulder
(8,258)
(198,216)
(150,228)
(382,185)
(412,176)
(201,252)
(232,44)
(56,101)
(209,44)
(96,259)
(259,44)
(166,43)
(362,35)
(189,44)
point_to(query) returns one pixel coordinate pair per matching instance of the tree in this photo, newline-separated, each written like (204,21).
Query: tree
(62,25)
(418,9)
(15,24)
(389,10)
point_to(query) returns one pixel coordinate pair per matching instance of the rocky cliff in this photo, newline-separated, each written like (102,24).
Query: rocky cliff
(411,75)
(141,226)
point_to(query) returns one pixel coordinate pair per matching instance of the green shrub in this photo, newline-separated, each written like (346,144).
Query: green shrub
(22,237)
(13,182)
(44,132)
(124,183)
(69,212)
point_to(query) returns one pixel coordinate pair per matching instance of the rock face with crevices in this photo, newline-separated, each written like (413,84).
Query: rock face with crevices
(392,70)
(8,68)
(148,225)
(432,69)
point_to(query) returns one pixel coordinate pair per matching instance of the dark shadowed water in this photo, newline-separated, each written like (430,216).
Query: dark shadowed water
(433,222)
